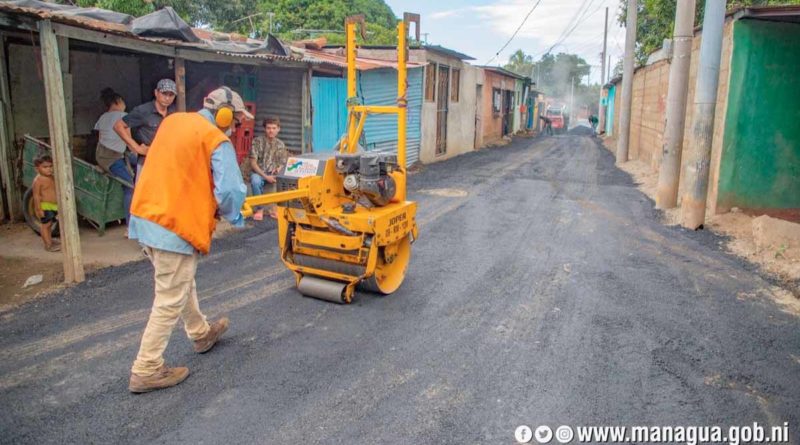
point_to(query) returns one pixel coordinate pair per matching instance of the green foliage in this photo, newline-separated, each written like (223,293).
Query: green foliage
(656,19)
(520,63)
(137,8)
(298,19)
(290,19)
(555,74)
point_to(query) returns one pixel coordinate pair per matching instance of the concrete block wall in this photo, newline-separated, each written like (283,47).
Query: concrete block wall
(648,111)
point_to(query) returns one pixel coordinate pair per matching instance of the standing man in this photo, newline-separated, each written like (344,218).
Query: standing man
(138,128)
(593,122)
(192,176)
(548,125)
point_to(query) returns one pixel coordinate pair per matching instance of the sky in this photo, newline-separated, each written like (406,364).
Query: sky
(479,28)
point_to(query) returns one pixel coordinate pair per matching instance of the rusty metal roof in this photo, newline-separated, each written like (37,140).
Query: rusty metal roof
(362,63)
(122,30)
(296,54)
(503,72)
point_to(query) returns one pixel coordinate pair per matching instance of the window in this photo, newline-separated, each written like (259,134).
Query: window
(497,100)
(455,84)
(430,82)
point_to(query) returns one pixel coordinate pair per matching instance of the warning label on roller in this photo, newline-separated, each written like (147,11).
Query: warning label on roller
(300,168)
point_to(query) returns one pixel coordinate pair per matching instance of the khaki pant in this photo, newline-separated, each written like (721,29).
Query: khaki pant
(175,297)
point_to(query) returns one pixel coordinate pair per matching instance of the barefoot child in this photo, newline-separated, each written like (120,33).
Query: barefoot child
(44,200)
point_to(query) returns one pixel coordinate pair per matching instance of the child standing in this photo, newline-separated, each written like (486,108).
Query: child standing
(268,156)
(44,200)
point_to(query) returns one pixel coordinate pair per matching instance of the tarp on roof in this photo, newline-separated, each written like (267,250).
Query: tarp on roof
(164,23)
(271,46)
(69,10)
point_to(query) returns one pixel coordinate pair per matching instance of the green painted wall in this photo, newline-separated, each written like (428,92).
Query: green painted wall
(760,165)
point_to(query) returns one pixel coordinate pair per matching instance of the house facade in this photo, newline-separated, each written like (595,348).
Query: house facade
(502,97)
(451,102)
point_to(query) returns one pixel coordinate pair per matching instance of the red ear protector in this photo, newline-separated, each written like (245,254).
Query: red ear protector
(224,114)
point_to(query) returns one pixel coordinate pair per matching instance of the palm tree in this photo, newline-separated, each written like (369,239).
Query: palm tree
(520,63)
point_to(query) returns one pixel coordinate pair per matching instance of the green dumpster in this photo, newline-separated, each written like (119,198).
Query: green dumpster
(98,196)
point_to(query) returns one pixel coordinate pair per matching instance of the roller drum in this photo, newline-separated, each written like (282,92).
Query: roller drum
(322,289)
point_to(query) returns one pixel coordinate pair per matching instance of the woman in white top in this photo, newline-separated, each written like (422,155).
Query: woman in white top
(111,148)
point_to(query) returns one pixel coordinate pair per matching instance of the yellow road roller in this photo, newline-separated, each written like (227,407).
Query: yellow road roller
(343,217)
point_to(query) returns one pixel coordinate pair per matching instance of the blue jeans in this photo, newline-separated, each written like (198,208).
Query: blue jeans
(257,183)
(122,171)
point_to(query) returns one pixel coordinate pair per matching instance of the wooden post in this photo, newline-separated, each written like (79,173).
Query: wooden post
(180,81)
(66,76)
(62,158)
(12,197)
(305,109)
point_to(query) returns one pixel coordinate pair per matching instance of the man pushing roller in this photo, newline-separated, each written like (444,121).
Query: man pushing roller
(191,176)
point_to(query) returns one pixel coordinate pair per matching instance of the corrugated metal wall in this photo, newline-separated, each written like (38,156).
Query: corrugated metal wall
(379,87)
(280,93)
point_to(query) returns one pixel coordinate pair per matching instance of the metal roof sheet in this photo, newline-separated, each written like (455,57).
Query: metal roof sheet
(362,63)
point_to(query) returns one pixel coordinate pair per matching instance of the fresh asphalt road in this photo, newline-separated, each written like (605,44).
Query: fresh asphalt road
(542,290)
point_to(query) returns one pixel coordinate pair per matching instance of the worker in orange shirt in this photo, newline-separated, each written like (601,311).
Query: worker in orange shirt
(191,177)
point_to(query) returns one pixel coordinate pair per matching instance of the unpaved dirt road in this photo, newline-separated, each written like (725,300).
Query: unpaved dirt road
(542,290)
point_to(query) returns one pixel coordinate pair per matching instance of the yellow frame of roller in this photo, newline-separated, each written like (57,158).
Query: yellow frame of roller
(392,228)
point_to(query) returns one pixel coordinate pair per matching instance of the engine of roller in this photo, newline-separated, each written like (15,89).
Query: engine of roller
(343,218)
(367,177)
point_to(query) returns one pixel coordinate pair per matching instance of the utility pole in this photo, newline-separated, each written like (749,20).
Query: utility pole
(627,84)
(670,170)
(271,15)
(571,101)
(600,108)
(693,203)
(608,67)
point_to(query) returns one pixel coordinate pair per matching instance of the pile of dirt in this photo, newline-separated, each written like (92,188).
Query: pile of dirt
(746,235)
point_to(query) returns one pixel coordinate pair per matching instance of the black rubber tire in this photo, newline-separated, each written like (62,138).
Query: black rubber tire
(30,215)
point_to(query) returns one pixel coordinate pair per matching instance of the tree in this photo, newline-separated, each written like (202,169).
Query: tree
(295,19)
(184,8)
(520,63)
(290,19)
(555,73)
(656,18)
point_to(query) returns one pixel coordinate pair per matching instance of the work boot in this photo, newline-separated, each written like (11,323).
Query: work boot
(163,378)
(214,333)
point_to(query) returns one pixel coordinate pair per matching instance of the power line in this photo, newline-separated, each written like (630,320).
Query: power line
(577,18)
(515,32)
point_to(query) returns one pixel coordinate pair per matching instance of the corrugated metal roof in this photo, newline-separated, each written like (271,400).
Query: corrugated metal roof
(448,52)
(122,30)
(504,72)
(362,63)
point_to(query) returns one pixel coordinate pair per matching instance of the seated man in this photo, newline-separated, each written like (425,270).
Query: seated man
(268,155)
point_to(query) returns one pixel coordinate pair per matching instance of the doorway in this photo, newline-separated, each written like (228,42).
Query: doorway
(478,121)
(442,100)
(508,108)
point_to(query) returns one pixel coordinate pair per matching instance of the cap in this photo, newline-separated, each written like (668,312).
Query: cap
(167,85)
(225,95)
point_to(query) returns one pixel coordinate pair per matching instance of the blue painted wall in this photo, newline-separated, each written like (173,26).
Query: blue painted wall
(328,96)
(610,110)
